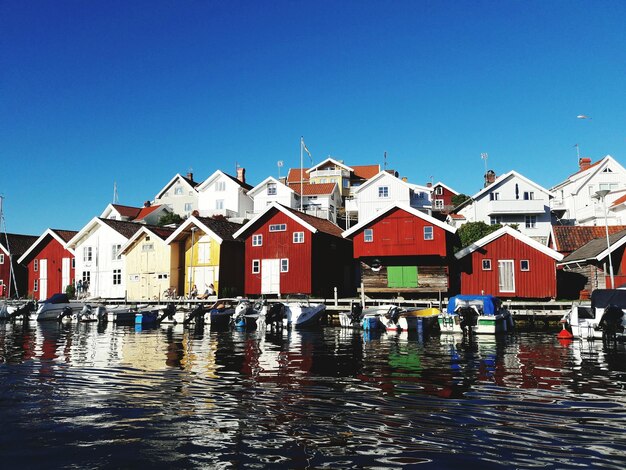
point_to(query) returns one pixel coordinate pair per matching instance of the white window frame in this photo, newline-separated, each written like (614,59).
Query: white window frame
(115,252)
(188,207)
(495,220)
(1,258)
(219,204)
(256,266)
(117,277)
(87,254)
(368,235)
(147,247)
(521,265)
(530,221)
(298,237)
(529,195)
(36,285)
(439,203)
(257,239)
(272,189)
(486,264)
(383,192)
(278,227)
(511,263)
(284,265)
(178,191)
(220,185)
(494,196)
(438,190)
(429,233)
(35,265)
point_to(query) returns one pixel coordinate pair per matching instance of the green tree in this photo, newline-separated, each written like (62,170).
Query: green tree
(474,231)
(459,199)
(170,218)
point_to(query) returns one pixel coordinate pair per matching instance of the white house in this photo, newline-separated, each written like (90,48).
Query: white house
(179,195)
(149,214)
(222,194)
(385,188)
(574,200)
(98,258)
(321,200)
(271,190)
(510,199)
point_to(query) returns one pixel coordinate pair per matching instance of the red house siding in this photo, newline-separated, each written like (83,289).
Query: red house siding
(53,252)
(5,274)
(279,245)
(538,282)
(399,233)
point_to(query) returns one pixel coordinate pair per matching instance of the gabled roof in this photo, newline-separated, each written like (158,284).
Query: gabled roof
(506,230)
(190,183)
(202,186)
(444,186)
(581,177)
(17,244)
(126,229)
(130,212)
(569,238)
(384,174)
(311,223)
(220,230)
(618,201)
(366,171)
(158,232)
(457,216)
(293,176)
(330,160)
(505,177)
(596,249)
(404,207)
(146,211)
(61,236)
(310,189)
(264,183)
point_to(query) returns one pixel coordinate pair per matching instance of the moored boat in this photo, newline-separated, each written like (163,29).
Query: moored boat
(381,317)
(424,320)
(299,313)
(475,314)
(603,316)
(54,307)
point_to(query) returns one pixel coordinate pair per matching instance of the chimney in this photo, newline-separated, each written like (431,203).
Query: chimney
(490,177)
(190,176)
(429,185)
(147,204)
(584,163)
(241,174)
(405,179)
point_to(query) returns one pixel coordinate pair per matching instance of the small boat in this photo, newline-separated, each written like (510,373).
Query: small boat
(481,314)
(246,314)
(170,314)
(222,311)
(381,317)
(55,307)
(424,320)
(17,312)
(603,316)
(299,313)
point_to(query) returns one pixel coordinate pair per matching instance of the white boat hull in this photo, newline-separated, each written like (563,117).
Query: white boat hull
(486,324)
(300,316)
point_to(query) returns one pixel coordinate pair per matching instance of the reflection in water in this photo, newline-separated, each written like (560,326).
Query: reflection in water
(91,396)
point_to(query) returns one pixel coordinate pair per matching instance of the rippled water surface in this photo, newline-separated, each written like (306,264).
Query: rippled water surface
(87,396)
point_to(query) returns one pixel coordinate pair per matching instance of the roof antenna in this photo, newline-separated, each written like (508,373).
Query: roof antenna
(115,196)
(385,164)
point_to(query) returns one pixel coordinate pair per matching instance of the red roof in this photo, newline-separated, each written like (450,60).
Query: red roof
(309,189)
(127,211)
(619,201)
(568,238)
(294,175)
(145,211)
(590,166)
(366,171)
(457,216)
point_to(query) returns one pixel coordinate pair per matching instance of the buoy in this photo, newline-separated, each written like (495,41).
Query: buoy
(564,334)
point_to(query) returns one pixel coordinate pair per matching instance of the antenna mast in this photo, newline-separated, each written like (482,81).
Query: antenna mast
(385,161)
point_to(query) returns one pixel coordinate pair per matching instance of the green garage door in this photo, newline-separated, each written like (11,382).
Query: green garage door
(402,276)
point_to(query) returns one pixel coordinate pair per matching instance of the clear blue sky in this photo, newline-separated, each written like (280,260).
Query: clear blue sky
(133,92)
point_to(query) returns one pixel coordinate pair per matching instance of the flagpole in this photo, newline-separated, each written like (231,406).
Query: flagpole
(301,169)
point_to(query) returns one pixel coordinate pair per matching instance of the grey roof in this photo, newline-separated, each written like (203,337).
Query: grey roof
(222,228)
(592,249)
(17,244)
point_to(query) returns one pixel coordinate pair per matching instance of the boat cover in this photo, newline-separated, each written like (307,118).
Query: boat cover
(57,299)
(602,298)
(487,304)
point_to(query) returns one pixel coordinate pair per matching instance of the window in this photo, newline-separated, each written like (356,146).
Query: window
(87,254)
(346,183)
(495,219)
(428,233)
(438,190)
(87,277)
(531,221)
(147,247)
(115,252)
(529,195)
(220,186)
(256,266)
(257,240)
(278,227)
(117,277)
(524,265)
(506,275)
(73,263)
(1,258)
(383,191)
(271,189)
(36,285)
(188,207)
(607,170)
(178,191)
(36,265)
(162,276)
(134,277)
(298,237)
(486,265)
(219,204)
(494,196)
(438,203)
(368,235)
(609,186)
(284,265)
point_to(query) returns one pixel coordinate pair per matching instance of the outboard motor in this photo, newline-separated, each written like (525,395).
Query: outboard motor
(168,312)
(23,310)
(275,314)
(393,314)
(469,319)
(197,315)
(611,322)
(355,314)
(67,312)
(101,314)
(85,313)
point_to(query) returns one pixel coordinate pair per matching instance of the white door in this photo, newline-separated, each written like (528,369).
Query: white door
(270,276)
(43,279)
(65,273)
(506,275)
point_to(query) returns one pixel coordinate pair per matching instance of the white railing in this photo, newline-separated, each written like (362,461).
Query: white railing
(328,173)
(516,206)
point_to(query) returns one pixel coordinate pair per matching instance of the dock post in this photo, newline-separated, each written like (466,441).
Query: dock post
(336,299)
(362,295)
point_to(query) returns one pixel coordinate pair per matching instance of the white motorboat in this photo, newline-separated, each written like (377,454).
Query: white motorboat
(423,321)
(23,311)
(381,317)
(603,315)
(299,313)
(475,314)
(54,307)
